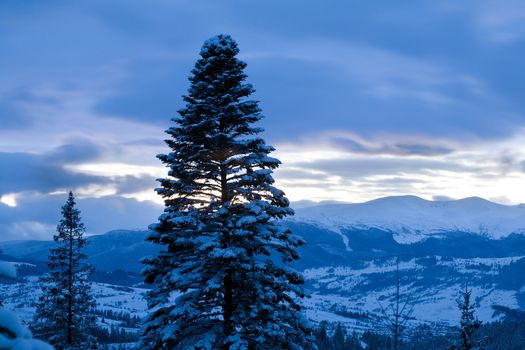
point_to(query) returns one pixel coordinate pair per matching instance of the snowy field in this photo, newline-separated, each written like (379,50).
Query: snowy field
(338,294)
(21,298)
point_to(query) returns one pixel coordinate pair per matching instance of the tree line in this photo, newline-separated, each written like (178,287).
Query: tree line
(499,335)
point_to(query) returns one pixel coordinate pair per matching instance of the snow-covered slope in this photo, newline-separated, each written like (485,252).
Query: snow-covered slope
(352,296)
(413,219)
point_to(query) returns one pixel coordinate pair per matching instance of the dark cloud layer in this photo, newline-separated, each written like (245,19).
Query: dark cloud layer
(30,172)
(359,67)
(77,152)
(48,172)
(358,168)
(392,148)
(11,117)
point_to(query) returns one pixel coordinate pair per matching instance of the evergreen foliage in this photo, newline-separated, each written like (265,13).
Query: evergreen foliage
(222,279)
(116,335)
(499,335)
(335,337)
(469,325)
(64,315)
(126,320)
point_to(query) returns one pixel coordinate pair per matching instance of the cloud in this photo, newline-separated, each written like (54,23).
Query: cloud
(502,22)
(388,76)
(11,117)
(357,168)
(129,185)
(151,95)
(318,171)
(30,172)
(77,152)
(370,90)
(55,171)
(306,79)
(388,144)
(36,215)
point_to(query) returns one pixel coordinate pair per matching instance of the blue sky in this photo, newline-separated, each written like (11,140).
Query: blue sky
(361,100)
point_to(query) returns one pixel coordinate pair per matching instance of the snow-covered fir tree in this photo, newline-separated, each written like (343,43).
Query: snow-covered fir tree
(222,279)
(64,315)
(13,335)
(468,324)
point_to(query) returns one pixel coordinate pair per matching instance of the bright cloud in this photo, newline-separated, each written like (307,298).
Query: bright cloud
(8,199)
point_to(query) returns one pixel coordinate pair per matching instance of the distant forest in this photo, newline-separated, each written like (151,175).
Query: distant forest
(499,335)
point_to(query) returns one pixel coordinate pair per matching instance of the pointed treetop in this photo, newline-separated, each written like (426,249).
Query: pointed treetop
(70,203)
(219,44)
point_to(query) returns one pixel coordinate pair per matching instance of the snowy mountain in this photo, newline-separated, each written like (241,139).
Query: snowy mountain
(413,219)
(349,259)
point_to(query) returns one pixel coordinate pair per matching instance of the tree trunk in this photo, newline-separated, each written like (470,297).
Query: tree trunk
(70,289)
(228,283)
(397,315)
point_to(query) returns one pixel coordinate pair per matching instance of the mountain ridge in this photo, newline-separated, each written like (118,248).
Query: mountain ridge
(413,219)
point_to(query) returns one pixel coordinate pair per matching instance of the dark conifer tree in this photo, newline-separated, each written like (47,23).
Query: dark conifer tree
(323,340)
(469,325)
(224,255)
(65,309)
(339,337)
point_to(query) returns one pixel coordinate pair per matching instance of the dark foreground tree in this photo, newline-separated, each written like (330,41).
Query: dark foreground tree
(468,325)
(64,314)
(222,279)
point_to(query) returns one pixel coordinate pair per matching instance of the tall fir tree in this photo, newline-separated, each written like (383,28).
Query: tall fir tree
(222,278)
(64,315)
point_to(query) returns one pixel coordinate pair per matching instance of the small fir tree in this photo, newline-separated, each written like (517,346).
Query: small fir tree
(222,280)
(64,314)
(339,337)
(468,325)
(323,341)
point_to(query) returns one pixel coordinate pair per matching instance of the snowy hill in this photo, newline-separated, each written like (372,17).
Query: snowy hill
(413,219)
(115,250)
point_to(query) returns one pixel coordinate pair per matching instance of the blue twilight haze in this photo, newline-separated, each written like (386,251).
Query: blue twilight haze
(361,100)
